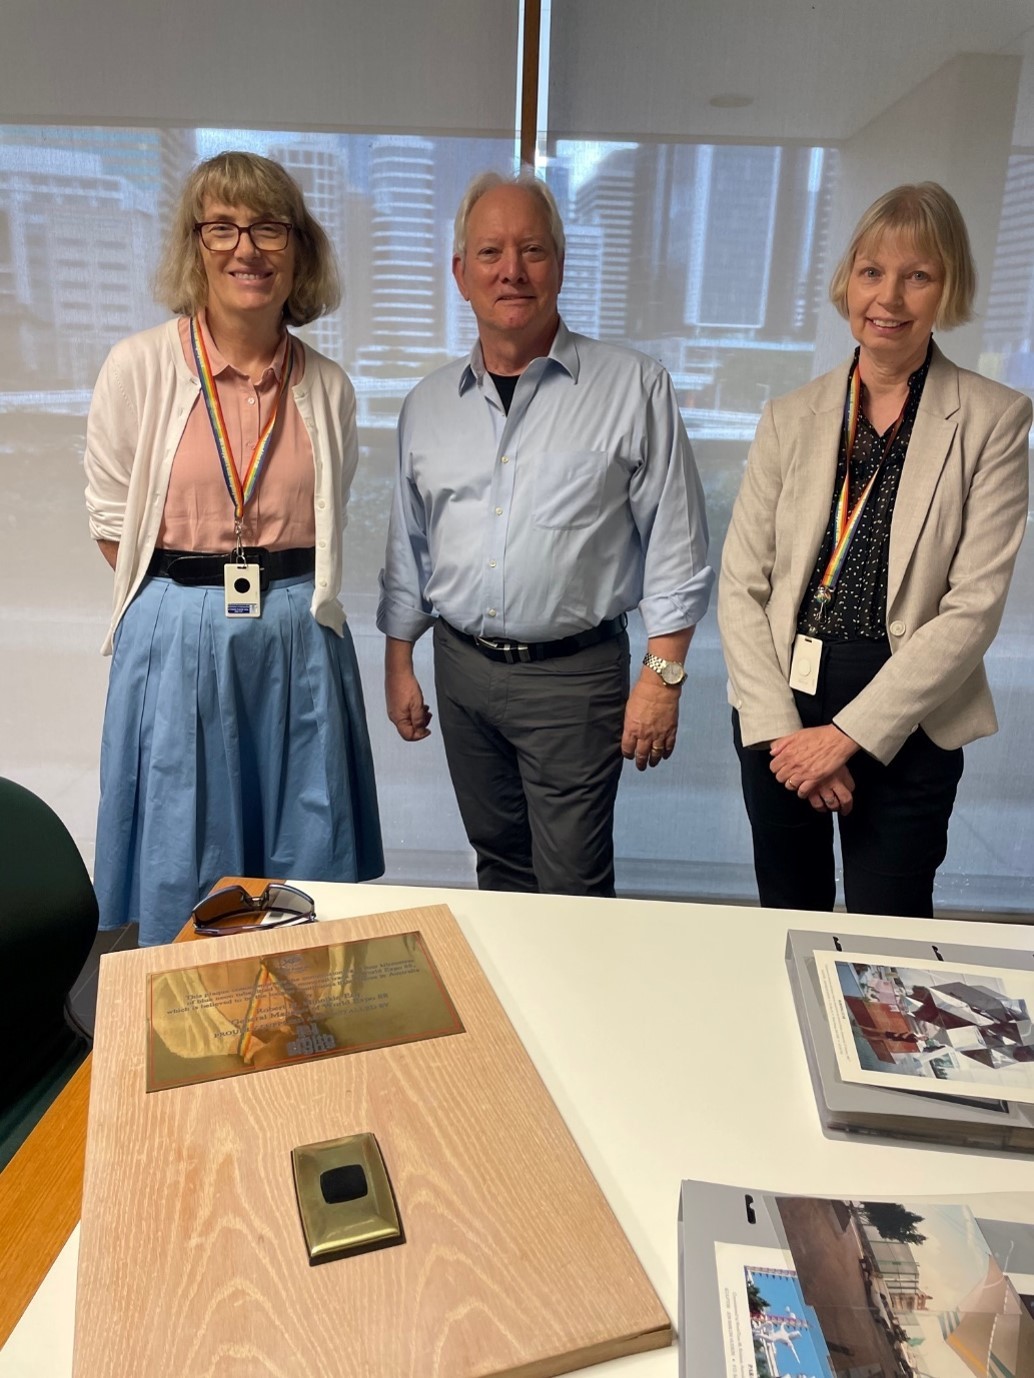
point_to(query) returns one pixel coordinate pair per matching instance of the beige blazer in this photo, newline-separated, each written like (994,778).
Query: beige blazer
(959,517)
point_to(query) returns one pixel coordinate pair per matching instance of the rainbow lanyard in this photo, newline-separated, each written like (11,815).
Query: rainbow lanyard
(241,492)
(846,523)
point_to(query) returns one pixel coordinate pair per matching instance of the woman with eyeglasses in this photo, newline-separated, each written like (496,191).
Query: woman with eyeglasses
(219,455)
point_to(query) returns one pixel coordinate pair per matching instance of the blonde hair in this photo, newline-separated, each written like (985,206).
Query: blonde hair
(488,181)
(930,216)
(245,179)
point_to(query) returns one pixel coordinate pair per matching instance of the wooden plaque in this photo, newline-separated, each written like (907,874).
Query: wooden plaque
(192,1261)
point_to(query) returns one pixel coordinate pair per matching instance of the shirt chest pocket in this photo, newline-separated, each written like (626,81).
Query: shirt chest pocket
(568,487)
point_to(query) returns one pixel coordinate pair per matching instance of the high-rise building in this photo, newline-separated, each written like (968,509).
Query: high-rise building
(405,336)
(461,327)
(131,153)
(178,155)
(734,225)
(799,273)
(558,178)
(606,201)
(316,163)
(73,235)
(824,253)
(354,254)
(582,292)
(665,178)
(1009,324)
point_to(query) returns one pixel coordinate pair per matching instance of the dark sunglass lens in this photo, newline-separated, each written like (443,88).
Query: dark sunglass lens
(229,901)
(234,923)
(284,898)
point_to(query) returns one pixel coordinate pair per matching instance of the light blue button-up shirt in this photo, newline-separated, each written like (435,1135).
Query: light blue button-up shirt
(580,504)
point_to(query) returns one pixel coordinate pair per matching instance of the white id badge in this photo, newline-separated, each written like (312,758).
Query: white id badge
(241,587)
(804,665)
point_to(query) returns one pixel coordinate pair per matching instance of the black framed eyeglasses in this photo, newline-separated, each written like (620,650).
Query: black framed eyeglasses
(223,236)
(234,910)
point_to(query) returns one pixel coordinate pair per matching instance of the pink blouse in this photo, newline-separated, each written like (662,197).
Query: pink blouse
(198,509)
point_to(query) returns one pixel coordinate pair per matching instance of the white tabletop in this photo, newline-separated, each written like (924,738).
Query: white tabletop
(666,1034)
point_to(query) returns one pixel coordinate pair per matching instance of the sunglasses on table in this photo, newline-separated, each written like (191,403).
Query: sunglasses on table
(234,910)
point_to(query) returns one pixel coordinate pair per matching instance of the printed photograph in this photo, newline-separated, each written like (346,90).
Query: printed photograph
(920,1289)
(768,1329)
(938,1029)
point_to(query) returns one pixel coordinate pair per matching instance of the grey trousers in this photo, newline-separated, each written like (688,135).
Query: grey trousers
(534,752)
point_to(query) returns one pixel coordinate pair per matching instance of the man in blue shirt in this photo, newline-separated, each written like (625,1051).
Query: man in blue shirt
(546,486)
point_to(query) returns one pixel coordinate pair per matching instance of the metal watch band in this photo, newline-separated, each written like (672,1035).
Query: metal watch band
(671,672)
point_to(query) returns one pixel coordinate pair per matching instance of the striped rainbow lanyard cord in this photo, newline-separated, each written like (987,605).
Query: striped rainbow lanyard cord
(846,522)
(241,490)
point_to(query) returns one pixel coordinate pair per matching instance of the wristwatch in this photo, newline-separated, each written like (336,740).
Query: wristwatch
(672,672)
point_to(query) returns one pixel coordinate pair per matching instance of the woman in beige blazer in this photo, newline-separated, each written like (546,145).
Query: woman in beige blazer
(865,574)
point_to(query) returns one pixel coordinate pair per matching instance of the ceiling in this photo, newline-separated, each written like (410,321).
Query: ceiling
(815,70)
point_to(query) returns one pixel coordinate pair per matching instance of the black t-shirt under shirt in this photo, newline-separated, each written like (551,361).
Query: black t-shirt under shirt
(504,386)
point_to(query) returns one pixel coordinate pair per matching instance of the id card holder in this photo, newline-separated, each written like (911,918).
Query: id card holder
(805,664)
(241,587)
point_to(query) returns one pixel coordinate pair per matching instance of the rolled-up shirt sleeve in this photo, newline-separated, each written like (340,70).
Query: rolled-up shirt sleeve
(668,509)
(403,611)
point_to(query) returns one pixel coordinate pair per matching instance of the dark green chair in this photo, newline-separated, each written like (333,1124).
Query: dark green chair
(48,921)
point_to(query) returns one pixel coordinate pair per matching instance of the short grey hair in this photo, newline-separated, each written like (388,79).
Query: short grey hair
(488,181)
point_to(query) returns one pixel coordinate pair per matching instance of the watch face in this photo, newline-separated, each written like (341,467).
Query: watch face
(673,673)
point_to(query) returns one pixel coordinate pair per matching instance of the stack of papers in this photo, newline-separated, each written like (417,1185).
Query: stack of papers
(917,1040)
(817,1288)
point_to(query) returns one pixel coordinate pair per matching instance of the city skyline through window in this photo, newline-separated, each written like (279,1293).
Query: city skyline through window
(712,258)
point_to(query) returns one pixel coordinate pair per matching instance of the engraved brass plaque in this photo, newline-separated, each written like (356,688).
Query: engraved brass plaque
(344,1197)
(224,1019)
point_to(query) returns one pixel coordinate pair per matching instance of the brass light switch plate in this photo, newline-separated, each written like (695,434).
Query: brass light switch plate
(344,1197)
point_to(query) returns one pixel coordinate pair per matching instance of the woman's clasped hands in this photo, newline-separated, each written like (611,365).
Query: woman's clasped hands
(813,763)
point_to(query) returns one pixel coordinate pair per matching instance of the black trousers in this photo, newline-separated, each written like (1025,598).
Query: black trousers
(534,752)
(893,840)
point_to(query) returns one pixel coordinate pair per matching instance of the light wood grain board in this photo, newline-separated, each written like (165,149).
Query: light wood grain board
(192,1262)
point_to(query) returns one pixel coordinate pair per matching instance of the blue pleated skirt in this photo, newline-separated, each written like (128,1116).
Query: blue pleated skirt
(230,747)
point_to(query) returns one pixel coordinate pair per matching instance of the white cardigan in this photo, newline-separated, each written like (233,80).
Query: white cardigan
(140,406)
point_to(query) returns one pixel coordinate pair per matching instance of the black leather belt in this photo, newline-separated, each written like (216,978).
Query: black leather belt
(514,652)
(197,569)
